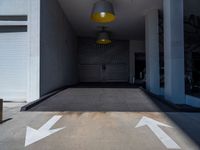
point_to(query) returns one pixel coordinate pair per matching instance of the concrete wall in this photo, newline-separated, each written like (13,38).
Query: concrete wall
(135,47)
(14,7)
(58,67)
(34,51)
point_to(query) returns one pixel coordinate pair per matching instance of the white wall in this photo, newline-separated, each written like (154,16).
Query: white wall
(29,42)
(13,65)
(58,49)
(14,7)
(135,47)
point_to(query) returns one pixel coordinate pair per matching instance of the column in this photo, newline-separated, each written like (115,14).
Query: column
(174,51)
(152,52)
(33,85)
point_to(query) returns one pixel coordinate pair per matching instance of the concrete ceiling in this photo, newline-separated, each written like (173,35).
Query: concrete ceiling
(129,23)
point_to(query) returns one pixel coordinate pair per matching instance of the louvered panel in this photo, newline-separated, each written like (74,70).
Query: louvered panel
(13,66)
(14,7)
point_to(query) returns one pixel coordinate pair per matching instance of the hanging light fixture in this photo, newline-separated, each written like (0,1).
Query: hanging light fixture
(103,12)
(103,38)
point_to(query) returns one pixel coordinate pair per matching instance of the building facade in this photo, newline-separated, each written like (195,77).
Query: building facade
(40,52)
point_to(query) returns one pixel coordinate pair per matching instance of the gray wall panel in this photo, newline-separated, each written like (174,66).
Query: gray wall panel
(103,63)
(58,49)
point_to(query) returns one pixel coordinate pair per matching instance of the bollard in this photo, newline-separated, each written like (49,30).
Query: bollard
(1,110)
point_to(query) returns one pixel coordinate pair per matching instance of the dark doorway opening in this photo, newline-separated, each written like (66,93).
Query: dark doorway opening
(140,69)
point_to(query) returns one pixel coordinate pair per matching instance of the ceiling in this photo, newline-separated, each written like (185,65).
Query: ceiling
(129,23)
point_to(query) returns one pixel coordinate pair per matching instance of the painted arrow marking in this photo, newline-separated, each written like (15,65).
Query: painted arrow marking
(33,135)
(162,136)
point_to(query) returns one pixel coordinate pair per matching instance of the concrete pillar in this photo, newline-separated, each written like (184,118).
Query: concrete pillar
(174,51)
(33,85)
(152,52)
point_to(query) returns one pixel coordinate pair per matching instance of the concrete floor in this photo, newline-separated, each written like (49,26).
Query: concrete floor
(101,131)
(110,130)
(102,99)
(10,109)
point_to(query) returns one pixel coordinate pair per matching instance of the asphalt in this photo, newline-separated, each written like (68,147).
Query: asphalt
(99,130)
(103,100)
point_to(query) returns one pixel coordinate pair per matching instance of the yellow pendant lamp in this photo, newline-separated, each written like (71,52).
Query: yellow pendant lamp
(103,12)
(103,38)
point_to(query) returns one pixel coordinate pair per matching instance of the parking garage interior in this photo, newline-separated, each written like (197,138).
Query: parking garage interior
(80,58)
(71,58)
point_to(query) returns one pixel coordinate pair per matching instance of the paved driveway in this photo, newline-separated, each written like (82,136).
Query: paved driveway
(150,128)
(100,131)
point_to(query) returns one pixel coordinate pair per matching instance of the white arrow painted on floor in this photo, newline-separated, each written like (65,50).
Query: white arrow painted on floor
(33,135)
(162,136)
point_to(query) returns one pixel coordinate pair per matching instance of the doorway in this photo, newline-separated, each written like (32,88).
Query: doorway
(140,68)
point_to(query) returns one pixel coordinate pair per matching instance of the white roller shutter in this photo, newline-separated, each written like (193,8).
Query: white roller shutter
(13,65)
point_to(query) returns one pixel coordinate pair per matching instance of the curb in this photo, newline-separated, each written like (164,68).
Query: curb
(43,98)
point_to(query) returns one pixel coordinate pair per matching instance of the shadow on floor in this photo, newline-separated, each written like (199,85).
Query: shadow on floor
(118,98)
(103,97)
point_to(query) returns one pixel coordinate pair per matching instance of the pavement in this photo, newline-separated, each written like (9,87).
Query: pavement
(11,109)
(101,130)
(102,99)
